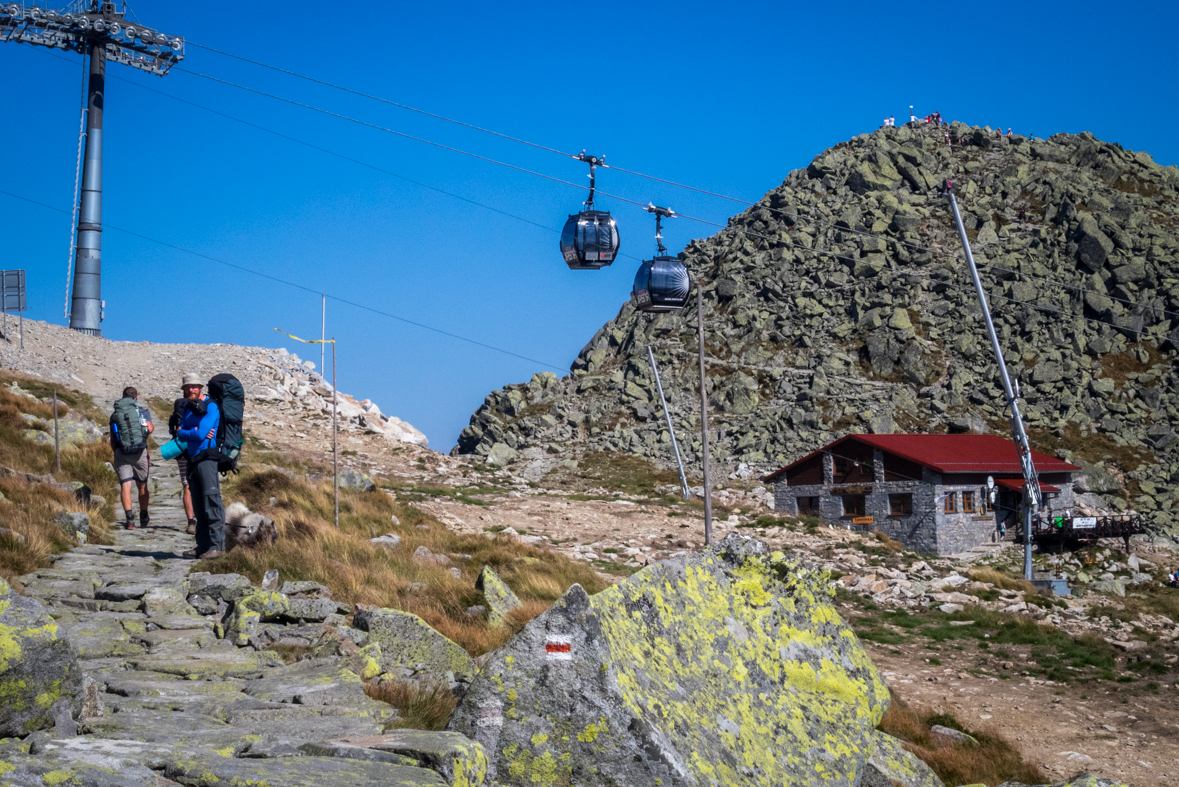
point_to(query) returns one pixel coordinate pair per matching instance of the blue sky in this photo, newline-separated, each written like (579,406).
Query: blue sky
(727,97)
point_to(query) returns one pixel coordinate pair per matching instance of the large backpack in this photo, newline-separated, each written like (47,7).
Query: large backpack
(132,436)
(227,391)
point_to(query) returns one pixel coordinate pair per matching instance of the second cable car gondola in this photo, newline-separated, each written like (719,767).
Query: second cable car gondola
(590,239)
(662,283)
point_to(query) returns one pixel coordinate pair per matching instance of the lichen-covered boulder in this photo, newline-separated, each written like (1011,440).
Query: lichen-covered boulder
(73,523)
(412,650)
(459,760)
(40,679)
(500,598)
(356,479)
(727,667)
(891,764)
(250,610)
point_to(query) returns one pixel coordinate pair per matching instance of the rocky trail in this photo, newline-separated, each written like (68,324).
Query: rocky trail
(168,701)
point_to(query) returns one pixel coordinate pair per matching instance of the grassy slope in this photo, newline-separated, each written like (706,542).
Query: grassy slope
(29,507)
(310,548)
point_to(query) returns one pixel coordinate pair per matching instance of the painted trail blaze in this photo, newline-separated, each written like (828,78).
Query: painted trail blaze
(559,648)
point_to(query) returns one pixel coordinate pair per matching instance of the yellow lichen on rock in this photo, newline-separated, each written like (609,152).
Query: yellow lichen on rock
(726,668)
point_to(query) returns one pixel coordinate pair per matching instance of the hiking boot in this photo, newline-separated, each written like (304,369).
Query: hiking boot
(211,554)
(143,519)
(130,520)
(190,555)
(190,530)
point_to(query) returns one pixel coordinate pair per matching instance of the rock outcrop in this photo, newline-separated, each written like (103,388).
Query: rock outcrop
(40,680)
(838,303)
(723,667)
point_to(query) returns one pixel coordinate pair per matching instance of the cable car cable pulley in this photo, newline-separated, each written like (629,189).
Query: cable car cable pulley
(590,240)
(662,283)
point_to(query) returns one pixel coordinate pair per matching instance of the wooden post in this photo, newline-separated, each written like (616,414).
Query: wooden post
(335,441)
(704,419)
(56,442)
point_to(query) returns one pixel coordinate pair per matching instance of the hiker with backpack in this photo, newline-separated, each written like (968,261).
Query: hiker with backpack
(190,386)
(130,426)
(212,431)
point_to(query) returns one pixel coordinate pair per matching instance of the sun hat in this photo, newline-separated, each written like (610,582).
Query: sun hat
(192,379)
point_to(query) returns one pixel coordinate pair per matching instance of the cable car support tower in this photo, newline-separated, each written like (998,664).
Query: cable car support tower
(100,30)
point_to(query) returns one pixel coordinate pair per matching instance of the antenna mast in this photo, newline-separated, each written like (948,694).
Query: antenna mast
(97,29)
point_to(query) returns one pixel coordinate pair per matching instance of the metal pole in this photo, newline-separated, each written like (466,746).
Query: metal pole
(674,444)
(86,309)
(335,442)
(77,179)
(704,420)
(322,330)
(22,330)
(1031,480)
(56,443)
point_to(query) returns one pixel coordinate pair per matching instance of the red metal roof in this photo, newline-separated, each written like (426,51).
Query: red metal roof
(950,453)
(1016,484)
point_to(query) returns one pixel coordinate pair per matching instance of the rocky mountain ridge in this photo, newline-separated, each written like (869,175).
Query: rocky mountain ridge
(840,303)
(273,377)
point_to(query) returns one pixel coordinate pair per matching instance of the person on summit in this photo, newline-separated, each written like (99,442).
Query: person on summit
(190,387)
(198,429)
(130,426)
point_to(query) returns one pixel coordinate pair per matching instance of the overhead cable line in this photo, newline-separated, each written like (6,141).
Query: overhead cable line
(330,153)
(614,196)
(299,286)
(378,98)
(780,211)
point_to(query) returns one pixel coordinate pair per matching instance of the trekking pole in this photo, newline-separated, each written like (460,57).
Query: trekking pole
(56,442)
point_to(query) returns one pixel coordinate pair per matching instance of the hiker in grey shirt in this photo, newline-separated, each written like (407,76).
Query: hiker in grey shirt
(130,426)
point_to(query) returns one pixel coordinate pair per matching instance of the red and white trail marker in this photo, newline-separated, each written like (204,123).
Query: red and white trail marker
(558,647)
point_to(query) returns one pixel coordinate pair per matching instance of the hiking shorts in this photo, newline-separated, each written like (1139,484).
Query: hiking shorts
(182,463)
(131,467)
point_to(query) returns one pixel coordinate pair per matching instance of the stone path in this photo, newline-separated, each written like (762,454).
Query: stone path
(168,700)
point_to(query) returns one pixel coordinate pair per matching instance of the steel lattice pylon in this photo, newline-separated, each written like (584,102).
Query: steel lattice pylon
(100,30)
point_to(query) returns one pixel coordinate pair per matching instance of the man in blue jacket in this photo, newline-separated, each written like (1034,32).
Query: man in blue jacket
(198,430)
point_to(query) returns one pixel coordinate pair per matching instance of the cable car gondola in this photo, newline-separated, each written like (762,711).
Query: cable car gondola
(662,283)
(590,239)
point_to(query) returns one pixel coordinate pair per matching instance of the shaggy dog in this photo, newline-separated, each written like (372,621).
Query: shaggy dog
(245,528)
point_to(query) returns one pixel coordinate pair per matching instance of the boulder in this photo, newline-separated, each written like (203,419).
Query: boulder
(729,666)
(356,479)
(455,757)
(223,587)
(212,769)
(501,454)
(387,541)
(40,679)
(411,649)
(250,610)
(73,523)
(500,598)
(891,764)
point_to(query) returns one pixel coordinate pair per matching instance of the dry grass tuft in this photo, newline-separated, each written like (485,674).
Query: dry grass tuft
(1001,580)
(29,508)
(423,706)
(310,548)
(888,543)
(992,761)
